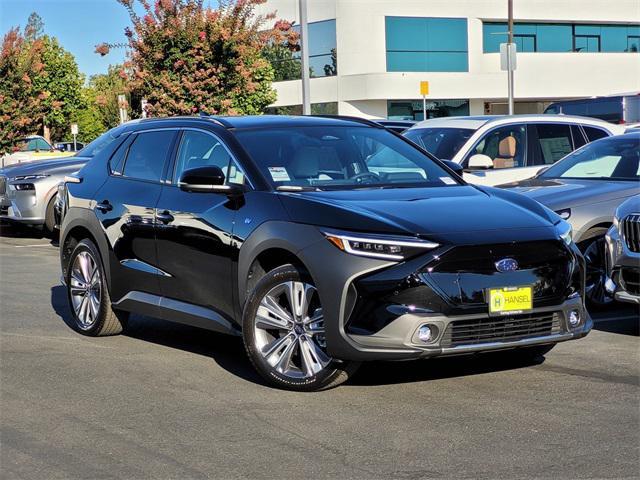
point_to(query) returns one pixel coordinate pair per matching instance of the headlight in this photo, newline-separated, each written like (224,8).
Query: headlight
(564,214)
(29,177)
(384,247)
(24,186)
(565,232)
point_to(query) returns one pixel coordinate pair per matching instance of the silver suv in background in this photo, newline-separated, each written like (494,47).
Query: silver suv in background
(499,149)
(623,252)
(28,191)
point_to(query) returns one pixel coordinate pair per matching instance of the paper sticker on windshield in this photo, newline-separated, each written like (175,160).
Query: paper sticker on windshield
(448,180)
(279,174)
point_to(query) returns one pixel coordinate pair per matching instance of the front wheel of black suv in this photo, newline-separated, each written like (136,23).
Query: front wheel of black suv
(88,294)
(283,332)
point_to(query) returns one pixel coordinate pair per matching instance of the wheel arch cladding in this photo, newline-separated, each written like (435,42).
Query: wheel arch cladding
(271,245)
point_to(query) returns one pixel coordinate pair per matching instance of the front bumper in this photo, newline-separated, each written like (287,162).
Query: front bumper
(374,308)
(22,206)
(623,268)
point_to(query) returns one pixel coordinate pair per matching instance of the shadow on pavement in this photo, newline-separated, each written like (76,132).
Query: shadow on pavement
(618,318)
(14,230)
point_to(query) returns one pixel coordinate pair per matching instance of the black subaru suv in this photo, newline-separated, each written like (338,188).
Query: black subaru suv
(323,242)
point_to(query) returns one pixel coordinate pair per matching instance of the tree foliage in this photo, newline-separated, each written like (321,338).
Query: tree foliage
(21,100)
(185,57)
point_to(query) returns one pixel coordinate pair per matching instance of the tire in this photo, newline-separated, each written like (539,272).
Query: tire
(287,349)
(50,218)
(594,253)
(88,294)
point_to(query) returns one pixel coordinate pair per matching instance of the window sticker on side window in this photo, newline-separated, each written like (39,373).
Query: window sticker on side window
(279,174)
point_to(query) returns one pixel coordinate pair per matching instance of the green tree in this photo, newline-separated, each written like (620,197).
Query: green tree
(89,119)
(107,87)
(34,28)
(63,82)
(21,100)
(185,57)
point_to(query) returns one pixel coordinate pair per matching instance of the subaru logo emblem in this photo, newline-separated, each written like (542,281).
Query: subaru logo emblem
(506,265)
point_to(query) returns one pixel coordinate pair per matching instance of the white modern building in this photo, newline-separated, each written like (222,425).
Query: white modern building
(368,57)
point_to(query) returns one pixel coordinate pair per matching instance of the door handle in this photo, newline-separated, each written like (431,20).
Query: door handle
(104,206)
(164,217)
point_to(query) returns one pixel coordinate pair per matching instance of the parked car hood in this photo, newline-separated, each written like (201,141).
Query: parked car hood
(463,214)
(48,166)
(557,193)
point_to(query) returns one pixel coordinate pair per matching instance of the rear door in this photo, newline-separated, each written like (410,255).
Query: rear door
(125,206)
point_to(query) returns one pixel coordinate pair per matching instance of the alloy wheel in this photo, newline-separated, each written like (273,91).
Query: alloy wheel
(85,286)
(594,255)
(289,330)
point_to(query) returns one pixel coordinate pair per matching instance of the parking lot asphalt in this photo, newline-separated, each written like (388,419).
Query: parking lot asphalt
(170,401)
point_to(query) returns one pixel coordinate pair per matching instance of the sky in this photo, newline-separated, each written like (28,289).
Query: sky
(80,25)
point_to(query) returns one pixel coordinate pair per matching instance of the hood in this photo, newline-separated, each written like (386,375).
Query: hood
(558,193)
(632,205)
(51,166)
(462,214)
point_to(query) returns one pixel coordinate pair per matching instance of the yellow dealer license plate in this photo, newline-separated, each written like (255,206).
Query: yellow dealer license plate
(508,300)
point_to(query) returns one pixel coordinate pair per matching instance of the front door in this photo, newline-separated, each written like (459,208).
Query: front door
(125,206)
(194,229)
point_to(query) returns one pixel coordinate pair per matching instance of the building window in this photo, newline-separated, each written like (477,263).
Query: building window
(426,44)
(323,57)
(412,109)
(549,37)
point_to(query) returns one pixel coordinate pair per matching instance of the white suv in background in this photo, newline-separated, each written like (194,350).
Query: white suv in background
(499,149)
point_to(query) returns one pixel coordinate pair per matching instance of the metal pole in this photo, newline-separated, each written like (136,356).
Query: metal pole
(75,144)
(304,45)
(510,60)
(424,107)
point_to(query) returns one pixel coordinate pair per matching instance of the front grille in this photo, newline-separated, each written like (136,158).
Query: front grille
(3,185)
(500,329)
(631,232)
(630,279)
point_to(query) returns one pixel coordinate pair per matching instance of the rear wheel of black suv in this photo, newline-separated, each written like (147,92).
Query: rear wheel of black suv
(283,332)
(88,294)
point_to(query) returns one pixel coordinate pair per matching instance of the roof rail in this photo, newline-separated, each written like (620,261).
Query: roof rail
(350,118)
(220,121)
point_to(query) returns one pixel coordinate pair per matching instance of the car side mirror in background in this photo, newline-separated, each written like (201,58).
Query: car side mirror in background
(480,162)
(456,167)
(206,179)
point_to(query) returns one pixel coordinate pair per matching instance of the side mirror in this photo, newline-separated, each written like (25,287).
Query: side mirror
(206,179)
(480,162)
(456,167)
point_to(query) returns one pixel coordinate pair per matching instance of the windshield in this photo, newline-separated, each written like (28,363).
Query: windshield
(324,157)
(442,142)
(615,158)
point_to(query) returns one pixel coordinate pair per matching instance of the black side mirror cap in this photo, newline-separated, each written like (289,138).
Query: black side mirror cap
(206,179)
(456,167)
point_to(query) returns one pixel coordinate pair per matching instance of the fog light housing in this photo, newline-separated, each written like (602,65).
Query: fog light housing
(425,334)
(574,318)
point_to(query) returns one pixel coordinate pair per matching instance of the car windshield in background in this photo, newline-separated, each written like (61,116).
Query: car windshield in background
(442,142)
(325,157)
(99,143)
(615,158)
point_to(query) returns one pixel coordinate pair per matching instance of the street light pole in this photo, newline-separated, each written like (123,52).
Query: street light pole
(304,46)
(510,61)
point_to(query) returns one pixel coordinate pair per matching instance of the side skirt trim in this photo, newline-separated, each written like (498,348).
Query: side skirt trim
(175,311)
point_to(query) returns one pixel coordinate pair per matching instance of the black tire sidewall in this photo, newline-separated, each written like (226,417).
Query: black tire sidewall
(88,246)
(266,283)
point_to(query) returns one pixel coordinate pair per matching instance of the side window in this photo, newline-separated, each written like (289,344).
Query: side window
(117,159)
(553,142)
(200,149)
(578,137)
(31,145)
(42,144)
(505,146)
(594,133)
(147,155)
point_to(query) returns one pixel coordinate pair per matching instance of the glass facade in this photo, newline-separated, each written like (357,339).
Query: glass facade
(566,37)
(322,54)
(412,109)
(426,44)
